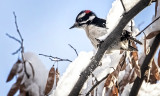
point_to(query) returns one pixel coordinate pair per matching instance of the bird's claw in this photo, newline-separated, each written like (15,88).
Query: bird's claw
(99,42)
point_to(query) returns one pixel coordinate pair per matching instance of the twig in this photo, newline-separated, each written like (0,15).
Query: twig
(131,25)
(147,26)
(95,77)
(21,48)
(13,38)
(17,26)
(97,83)
(73,49)
(57,59)
(123,5)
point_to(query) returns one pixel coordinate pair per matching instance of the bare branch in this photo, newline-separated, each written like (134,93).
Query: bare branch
(17,26)
(123,5)
(22,47)
(147,26)
(73,49)
(97,83)
(19,49)
(57,59)
(12,37)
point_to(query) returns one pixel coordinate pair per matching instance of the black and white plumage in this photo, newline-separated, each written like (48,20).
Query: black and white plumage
(93,26)
(96,27)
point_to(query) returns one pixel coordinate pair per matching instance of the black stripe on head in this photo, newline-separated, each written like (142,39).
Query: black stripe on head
(84,15)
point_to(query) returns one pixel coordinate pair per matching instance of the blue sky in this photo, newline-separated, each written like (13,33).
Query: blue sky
(44,26)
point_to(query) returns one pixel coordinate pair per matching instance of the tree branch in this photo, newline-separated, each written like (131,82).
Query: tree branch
(111,40)
(21,47)
(123,5)
(138,82)
(73,49)
(147,26)
(55,58)
(97,83)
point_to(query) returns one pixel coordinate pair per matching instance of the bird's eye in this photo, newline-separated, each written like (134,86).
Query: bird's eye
(80,20)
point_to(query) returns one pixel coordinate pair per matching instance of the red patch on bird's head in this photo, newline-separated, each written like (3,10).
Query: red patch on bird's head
(87,11)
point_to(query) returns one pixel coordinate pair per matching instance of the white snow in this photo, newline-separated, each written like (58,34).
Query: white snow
(36,85)
(116,13)
(72,74)
(73,71)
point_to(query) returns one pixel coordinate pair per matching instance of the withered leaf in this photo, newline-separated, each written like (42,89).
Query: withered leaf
(124,66)
(15,86)
(111,79)
(22,91)
(159,58)
(50,80)
(109,82)
(137,68)
(57,76)
(13,71)
(152,34)
(155,71)
(114,91)
(121,51)
(156,6)
(133,77)
(122,63)
(92,92)
(145,45)
(134,53)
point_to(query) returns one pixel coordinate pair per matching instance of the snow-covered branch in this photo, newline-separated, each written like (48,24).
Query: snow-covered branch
(113,37)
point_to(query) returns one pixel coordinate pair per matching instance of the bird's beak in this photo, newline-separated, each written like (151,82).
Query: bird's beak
(75,25)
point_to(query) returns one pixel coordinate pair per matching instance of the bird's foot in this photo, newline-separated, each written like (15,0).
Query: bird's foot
(99,43)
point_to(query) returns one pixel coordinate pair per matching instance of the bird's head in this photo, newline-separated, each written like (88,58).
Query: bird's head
(83,19)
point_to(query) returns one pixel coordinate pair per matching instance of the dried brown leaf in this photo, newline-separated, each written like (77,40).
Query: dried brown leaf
(50,80)
(57,76)
(137,68)
(134,53)
(22,91)
(152,34)
(153,80)
(159,58)
(13,71)
(125,80)
(109,82)
(92,92)
(155,71)
(114,90)
(145,45)
(124,66)
(122,63)
(111,79)
(133,77)
(15,86)
(156,6)
(121,51)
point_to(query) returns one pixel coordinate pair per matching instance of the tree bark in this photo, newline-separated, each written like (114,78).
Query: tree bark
(138,82)
(111,40)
